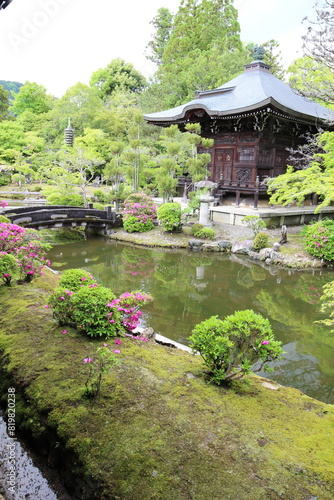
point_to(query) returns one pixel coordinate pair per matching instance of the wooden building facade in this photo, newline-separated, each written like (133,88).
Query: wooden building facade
(253,120)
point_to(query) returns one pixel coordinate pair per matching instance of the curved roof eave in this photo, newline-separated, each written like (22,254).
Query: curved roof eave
(236,111)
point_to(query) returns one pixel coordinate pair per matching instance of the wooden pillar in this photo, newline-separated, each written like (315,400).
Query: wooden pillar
(237,198)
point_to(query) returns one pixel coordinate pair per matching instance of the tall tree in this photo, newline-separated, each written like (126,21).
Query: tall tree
(319,51)
(163,24)
(4,103)
(32,97)
(117,75)
(203,51)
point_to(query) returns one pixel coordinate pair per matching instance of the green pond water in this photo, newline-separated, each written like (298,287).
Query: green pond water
(189,287)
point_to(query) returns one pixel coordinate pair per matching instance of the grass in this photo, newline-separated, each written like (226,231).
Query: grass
(158,430)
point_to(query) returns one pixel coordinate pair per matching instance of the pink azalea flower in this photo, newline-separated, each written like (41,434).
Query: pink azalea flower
(117,351)
(46,306)
(87,360)
(117,341)
(265,342)
(64,331)
(105,345)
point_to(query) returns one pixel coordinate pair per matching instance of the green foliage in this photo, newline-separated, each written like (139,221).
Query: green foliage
(74,279)
(261,240)
(199,231)
(4,103)
(117,75)
(253,222)
(8,267)
(327,306)
(4,219)
(33,97)
(318,240)
(102,363)
(231,346)
(169,216)
(133,224)
(163,24)
(295,185)
(139,213)
(71,200)
(90,312)
(62,306)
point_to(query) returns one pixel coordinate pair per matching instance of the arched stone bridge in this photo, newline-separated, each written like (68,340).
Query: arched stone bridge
(42,217)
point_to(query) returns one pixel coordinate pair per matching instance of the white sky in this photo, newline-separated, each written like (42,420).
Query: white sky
(57,43)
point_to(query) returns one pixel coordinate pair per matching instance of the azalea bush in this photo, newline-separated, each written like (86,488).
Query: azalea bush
(100,364)
(231,346)
(169,216)
(8,267)
(27,248)
(139,213)
(92,315)
(73,279)
(95,310)
(318,239)
(3,204)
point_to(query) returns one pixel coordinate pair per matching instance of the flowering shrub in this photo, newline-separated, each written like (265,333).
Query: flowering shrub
(74,279)
(91,314)
(318,240)
(8,267)
(169,216)
(139,213)
(3,204)
(25,246)
(94,309)
(231,346)
(102,362)
(62,306)
(128,304)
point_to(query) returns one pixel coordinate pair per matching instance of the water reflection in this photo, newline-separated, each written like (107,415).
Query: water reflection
(189,287)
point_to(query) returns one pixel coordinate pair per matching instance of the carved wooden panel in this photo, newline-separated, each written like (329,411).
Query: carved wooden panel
(243,175)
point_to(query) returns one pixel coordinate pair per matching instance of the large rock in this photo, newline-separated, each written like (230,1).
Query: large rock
(224,245)
(243,247)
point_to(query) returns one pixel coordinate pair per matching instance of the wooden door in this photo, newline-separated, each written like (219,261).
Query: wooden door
(223,164)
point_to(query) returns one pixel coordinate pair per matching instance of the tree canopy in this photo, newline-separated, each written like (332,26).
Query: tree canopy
(117,75)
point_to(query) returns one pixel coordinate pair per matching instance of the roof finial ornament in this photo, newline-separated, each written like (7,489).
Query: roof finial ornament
(258,53)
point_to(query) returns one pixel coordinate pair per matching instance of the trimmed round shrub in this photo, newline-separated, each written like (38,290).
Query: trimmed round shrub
(74,279)
(318,240)
(261,240)
(62,306)
(230,347)
(169,216)
(200,231)
(91,314)
(4,219)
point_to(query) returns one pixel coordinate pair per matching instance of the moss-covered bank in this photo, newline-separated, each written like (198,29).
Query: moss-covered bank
(157,431)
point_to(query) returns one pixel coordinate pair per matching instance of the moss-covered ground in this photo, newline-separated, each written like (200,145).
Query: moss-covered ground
(158,430)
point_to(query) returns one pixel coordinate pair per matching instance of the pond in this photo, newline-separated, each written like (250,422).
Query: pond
(189,287)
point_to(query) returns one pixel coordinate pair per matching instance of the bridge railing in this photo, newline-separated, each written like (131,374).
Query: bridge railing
(26,215)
